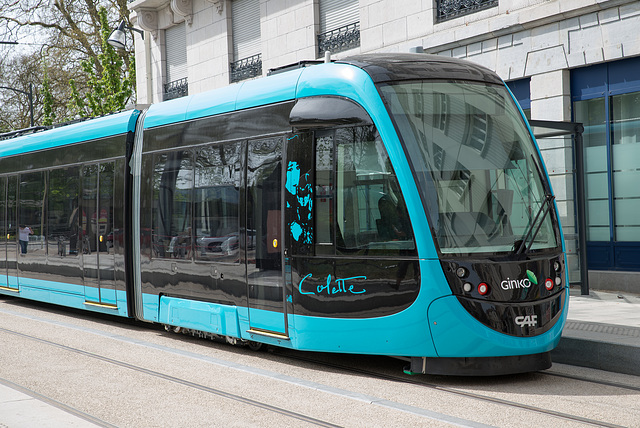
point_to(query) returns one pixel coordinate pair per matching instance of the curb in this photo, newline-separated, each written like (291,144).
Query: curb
(600,346)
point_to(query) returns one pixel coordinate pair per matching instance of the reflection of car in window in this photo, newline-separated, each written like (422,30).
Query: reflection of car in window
(223,245)
(218,244)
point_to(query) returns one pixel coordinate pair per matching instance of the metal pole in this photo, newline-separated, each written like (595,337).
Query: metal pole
(31,102)
(581,214)
(28,94)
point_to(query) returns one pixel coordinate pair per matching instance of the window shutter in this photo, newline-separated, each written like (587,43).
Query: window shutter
(245,16)
(176,52)
(338,13)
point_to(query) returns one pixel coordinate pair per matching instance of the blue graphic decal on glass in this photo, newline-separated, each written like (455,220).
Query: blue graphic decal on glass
(300,187)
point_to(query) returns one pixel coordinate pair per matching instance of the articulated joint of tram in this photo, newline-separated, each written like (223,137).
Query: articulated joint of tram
(254,346)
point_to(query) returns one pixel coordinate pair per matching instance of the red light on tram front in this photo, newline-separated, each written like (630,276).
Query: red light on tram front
(548,284)
(483,288)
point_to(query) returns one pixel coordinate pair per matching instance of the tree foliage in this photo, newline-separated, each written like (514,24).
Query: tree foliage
(109,90)
(67,37)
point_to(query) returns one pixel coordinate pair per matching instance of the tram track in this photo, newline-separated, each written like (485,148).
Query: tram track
(593,381)
(214,391)
(472,395)
(283,355)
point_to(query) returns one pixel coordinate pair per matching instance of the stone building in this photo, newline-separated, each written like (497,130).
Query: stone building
(565,60)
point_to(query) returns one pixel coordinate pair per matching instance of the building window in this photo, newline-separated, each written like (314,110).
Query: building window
(606,100)
(247,45)
(450,9)
(339,26)
(176,85)
(521,90)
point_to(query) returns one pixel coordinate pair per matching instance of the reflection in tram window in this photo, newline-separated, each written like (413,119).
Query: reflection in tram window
(172,198)
(370,211)
(217,195)
(63,212)
(30,210)
(473,161)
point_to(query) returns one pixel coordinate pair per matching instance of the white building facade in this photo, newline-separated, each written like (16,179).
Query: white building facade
(565,60)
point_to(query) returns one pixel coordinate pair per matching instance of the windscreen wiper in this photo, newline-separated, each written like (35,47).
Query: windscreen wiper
(523,248)
(544,210)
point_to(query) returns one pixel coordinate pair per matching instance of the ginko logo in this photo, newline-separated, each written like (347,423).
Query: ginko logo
(510,284)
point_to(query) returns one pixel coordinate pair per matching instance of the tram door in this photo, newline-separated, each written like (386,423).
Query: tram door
(8,257)
(264,237)
(11,232)
(96,225)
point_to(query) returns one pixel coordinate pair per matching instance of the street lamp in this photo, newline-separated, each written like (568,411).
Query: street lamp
(28,94)
(117,37)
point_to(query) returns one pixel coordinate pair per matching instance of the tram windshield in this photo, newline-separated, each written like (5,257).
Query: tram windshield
(476,166)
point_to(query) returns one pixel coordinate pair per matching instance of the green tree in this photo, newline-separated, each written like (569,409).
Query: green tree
(108,90)
(63,34)
(47,99)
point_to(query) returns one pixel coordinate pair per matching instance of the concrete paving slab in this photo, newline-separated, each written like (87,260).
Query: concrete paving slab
(20,409)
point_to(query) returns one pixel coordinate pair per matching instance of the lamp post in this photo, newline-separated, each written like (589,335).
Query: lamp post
(28,94)
(117,36)
(117,39)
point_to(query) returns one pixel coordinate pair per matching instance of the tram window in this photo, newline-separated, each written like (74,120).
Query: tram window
(172,199)
(367,205)
(62,215)
(324,194)
(30,209)
(217,197)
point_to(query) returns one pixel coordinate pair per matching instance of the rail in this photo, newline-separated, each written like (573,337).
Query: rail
(450,9)
(176,89)
(246,68)
(340,39)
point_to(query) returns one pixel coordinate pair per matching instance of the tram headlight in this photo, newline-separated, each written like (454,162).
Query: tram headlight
(558,281)
(556,266)
(461,272)
(467,287)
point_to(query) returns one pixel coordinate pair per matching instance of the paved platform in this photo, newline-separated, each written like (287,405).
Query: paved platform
(602,332)
(21,408)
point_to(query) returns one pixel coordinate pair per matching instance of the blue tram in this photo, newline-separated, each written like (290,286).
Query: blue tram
(382,204)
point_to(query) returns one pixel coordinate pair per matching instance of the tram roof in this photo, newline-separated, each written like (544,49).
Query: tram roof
(106,126)
(341,78)
(349,78)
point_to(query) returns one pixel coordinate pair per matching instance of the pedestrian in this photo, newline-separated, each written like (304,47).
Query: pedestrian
(23,237)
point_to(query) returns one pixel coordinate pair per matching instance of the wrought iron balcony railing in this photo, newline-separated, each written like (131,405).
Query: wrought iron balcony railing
(176,89)
(340,39)
(449,9)
(246,68)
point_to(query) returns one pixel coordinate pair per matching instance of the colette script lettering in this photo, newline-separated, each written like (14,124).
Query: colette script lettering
(332,287)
